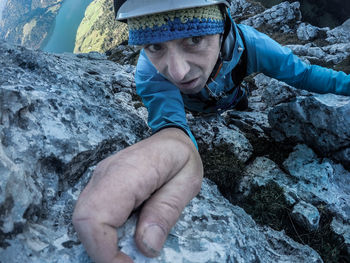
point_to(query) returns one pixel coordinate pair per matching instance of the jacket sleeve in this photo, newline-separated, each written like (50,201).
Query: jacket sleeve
(272,59)
(161,98)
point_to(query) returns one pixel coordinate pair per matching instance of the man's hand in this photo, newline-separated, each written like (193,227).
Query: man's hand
(164,171)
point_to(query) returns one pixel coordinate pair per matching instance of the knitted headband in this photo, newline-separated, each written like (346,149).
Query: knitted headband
(183,23)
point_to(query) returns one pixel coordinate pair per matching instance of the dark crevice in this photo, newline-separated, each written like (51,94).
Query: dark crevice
(5,209)
(223,168)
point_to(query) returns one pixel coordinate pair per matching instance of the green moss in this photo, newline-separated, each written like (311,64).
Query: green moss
(223,168)
(329,245)
(267,206)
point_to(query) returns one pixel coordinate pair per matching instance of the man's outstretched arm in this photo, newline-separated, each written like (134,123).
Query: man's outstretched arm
(164,171)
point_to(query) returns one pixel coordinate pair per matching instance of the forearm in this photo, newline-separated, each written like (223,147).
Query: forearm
(324,80)
(272,59)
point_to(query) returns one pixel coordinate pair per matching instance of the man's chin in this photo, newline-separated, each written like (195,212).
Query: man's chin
(191,91)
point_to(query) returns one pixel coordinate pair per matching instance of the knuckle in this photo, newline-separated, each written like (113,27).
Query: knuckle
(100,168)
(80,212)
(78,218)
(172,206)
(197,184)
(164,214)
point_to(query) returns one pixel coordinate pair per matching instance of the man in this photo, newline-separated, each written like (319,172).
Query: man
(193,56)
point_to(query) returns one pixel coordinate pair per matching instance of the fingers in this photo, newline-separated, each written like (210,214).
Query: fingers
(165,168)
(97,215)
(162,210)
(100,241)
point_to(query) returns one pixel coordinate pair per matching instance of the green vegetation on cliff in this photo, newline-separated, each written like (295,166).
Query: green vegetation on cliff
(99,31)
(27,22)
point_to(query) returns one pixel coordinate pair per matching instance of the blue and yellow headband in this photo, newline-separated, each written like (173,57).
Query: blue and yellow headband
(184,23)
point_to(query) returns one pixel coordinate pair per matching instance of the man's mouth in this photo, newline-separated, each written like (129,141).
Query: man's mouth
(188,85)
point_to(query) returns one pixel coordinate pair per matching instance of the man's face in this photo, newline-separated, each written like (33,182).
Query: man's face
(186,62)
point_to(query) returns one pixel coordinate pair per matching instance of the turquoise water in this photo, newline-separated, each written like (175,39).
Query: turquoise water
(62,38)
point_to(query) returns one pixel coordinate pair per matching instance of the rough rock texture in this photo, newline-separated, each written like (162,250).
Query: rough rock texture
(28,22)
(322,13)
(330,54)
(340,34)
(241,9)
(343,230)
(306,215)
(279,17)
(213,230)
(61,114)
(335,50)
(307,31)
(320,121)
(57,119)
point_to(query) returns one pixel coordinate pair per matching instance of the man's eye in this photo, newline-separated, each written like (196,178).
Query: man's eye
(194,40)
(154,48)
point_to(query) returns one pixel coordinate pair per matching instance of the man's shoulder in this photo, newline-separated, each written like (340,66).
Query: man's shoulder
(258,42)
(251,34)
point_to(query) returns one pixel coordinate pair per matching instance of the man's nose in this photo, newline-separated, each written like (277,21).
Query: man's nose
(178,67)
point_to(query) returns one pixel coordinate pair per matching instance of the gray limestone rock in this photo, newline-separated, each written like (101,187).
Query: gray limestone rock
(209,230)
(340,34)
(214,131)
(319,180)
(320,121)
(275,92)
(58,116)
(242,8)
(307,31)
(279,17)
(304,177)
(14,180)
(333,54)
(306,215)
(204,235)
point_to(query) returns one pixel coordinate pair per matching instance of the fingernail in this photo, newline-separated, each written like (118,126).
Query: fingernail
(153,238)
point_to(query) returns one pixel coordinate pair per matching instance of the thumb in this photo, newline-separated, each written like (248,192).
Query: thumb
(152,238)
(160,213)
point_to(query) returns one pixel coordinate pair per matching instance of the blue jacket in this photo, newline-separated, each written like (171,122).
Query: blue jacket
(166,105)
